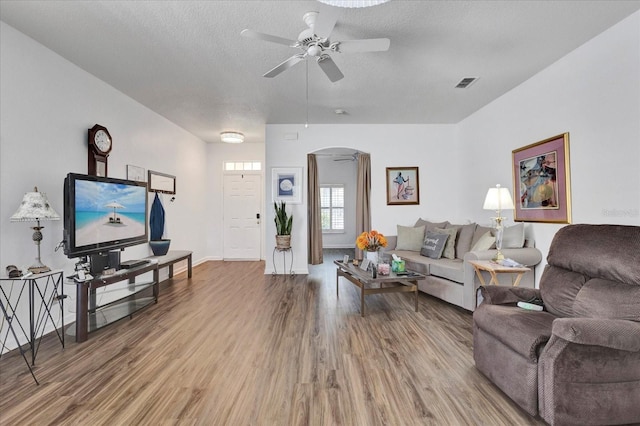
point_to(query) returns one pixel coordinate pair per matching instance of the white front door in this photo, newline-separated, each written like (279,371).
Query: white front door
(242,216)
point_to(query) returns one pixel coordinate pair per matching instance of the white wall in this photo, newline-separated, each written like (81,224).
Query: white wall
(427,146)
(344,173)
(46,106)
(594,94)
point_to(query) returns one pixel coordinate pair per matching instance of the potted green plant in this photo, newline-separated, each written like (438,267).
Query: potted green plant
(284,223)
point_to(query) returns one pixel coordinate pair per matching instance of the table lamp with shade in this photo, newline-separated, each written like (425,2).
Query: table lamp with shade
(34,208)
(497,199)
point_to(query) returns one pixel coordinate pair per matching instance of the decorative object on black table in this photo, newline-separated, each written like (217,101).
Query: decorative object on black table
(159,246)
(34,208)
(13,271)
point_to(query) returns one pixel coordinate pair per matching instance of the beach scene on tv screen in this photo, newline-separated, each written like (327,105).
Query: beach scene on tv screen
(108,211)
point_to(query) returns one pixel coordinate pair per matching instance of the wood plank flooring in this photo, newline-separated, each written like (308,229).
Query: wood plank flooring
(232,346)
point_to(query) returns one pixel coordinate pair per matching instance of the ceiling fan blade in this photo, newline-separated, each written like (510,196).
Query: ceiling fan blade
(330,68)
(267,37)
(368,45)
(284,65)
(325,22)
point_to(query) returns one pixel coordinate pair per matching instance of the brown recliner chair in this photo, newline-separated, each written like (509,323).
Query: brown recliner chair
(578,361)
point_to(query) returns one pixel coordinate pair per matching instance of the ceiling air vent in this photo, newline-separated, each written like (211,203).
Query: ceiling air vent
(466,82)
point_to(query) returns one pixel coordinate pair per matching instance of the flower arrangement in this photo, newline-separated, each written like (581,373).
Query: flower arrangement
(371,241)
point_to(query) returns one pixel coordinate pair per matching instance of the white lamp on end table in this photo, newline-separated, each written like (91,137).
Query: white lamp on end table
(34,208)
(498,198)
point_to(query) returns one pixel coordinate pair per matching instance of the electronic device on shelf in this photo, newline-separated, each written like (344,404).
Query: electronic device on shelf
(128,264)
(103,214)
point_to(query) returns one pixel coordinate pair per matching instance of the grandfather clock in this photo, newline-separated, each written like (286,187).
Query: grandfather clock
(100,144)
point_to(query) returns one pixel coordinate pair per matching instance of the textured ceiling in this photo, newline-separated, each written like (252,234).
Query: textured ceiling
(187,61)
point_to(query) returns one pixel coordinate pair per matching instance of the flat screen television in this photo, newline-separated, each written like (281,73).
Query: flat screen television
(102,214)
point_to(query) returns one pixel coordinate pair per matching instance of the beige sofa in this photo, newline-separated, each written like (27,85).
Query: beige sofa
(454,280)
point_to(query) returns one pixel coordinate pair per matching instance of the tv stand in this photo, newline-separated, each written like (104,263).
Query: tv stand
(125,294)
(126,297)
(172,256)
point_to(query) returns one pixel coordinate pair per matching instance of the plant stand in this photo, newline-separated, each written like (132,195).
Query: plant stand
(284,252)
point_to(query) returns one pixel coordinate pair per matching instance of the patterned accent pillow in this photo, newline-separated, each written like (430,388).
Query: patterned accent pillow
(433,245)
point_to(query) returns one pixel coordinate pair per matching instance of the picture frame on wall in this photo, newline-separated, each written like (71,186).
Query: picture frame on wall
(161,182)
(403,186)
(136,173)
(541,181)
(287,184)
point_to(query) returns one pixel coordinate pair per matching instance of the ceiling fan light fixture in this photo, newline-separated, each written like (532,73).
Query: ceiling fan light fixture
(314,50)
(353,3)
(231,137)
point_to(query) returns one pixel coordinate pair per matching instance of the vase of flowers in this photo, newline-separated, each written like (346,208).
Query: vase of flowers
(371,242)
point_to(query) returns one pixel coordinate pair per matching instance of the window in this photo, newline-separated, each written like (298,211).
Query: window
(241,166)
(332,208)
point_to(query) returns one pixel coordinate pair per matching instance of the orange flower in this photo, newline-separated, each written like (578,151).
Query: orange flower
(371,241)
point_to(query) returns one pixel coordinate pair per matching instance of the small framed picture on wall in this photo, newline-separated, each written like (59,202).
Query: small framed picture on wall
(136,173)
(162,182)
(287,184)
(403,186)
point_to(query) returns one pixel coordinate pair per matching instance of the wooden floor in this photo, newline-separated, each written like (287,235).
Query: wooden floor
(232,346)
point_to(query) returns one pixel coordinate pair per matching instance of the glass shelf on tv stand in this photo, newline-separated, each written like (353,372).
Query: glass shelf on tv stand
(108,295)
(109,298)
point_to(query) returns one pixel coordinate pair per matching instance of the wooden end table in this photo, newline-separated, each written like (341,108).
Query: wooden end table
(393,283)
(494,269)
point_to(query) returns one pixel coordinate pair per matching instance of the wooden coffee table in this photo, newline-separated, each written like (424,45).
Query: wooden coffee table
(393,283)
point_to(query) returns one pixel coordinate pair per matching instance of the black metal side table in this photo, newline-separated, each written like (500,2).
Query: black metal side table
(45,291)
(284,252)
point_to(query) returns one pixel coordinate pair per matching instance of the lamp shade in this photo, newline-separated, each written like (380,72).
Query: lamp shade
(231,137)
(498,198)
(34,207)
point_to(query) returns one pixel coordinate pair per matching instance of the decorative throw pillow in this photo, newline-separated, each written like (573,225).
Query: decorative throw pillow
(463,238)
(513,236)
(430,226)
(450,247)
(485,242)
(479,232)
(433,245)
(410,238)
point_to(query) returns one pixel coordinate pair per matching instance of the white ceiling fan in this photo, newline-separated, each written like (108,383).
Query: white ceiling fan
(343,157)
(314,42)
